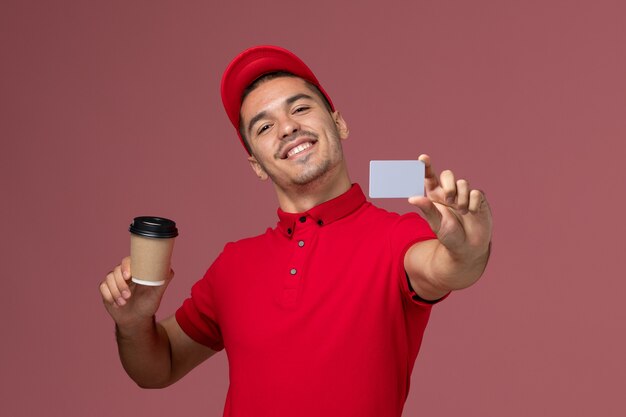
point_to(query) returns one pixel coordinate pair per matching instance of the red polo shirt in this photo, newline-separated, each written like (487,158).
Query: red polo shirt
(316,315)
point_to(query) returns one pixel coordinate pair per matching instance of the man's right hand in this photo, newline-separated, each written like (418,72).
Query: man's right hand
(153,354)
(129,303)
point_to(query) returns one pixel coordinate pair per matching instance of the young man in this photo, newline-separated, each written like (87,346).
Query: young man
(324,314)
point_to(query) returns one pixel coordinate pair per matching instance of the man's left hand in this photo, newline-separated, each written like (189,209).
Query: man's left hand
(459,216)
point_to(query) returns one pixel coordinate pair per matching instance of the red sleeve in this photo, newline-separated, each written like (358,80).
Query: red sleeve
(408,230)
(198,314)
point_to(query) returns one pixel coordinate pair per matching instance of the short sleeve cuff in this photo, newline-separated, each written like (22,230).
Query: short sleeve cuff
(419,300)
(192,331)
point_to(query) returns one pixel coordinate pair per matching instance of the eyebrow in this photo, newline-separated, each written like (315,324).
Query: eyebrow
(289,101)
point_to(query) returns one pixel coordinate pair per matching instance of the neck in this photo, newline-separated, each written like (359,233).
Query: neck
(300,198)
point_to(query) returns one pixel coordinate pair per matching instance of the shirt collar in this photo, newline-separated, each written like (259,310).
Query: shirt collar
(325,213)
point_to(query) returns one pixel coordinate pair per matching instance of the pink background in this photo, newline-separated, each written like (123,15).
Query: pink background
(111,110)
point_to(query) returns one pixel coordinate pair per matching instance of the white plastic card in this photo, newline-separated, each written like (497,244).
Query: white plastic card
(396,179)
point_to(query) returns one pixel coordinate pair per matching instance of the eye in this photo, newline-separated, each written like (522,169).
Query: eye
(301,109)
(263,128)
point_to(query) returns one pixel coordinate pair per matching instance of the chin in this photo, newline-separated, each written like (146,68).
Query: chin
(314,175)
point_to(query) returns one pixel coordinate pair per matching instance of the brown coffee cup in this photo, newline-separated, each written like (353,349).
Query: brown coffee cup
(151,246)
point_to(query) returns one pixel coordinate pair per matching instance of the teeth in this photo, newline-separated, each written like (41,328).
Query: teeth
(299,149)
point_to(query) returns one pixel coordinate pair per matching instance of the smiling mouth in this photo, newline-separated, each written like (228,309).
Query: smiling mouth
(300,148)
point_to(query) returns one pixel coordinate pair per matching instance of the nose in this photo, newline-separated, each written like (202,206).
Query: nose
(288,126)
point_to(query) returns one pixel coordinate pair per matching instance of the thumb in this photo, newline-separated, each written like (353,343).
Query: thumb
(429,211)
(125,265)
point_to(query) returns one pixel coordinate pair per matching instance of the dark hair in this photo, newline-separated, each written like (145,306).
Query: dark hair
(267,77)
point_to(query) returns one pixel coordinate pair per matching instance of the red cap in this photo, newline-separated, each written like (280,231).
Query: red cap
(253,63)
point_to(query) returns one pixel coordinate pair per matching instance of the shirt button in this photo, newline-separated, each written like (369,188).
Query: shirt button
(288,231)
(301,243)
(293,271)
(320,222)
(302,219)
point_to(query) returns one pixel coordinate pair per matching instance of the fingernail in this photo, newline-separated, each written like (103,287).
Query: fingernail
(126,294)
(126,274)
(121,301)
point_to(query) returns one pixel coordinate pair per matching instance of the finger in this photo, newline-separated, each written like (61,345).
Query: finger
(462,195)
(427,164)
(478,223)
(115,292)
(430,212)
(122,283)
(476,199)
(430,176)
(448,184)
(125,265)
(106,294)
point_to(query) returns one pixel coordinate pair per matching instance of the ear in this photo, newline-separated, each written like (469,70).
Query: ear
(342,126)
(257,168)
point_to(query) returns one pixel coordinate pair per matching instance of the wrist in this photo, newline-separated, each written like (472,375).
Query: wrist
(461,270)
(469,256)
(131,329)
